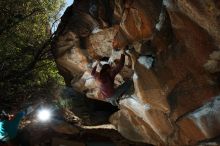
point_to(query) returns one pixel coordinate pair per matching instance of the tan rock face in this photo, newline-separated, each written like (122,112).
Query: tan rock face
(156,119)
(137,22)
(63,127)
(202,123)
(133,127)
(205,14)
(69,56)
(193,87)
(148,88)
(175,101)
(100,44)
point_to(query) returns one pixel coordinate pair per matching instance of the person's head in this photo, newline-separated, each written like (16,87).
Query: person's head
(105,69)
(105,59)
(4,116)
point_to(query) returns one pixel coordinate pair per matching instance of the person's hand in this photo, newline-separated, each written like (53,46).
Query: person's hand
(97,62)
(29,110)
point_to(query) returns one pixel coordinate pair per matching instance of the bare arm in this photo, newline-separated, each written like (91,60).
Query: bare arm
(94,73)
(119,66)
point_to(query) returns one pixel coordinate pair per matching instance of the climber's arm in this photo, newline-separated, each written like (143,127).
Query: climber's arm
(94,73)
(119,66)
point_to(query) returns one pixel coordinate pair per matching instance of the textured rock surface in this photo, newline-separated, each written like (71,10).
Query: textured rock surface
(176,97)
(134,128)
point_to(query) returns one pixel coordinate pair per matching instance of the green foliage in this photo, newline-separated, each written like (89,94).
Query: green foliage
(26,61)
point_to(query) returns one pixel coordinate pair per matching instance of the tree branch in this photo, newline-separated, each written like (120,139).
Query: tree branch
(16,74)
(7,28)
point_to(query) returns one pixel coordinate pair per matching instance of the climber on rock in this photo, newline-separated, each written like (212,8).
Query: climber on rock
(105,81)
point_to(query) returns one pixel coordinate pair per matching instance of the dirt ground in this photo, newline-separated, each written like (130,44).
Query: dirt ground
(38,134)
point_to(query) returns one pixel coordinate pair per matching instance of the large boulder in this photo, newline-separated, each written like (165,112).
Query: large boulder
(175,64)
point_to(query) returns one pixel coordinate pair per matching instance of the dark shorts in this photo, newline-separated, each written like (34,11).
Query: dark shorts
(124,89)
